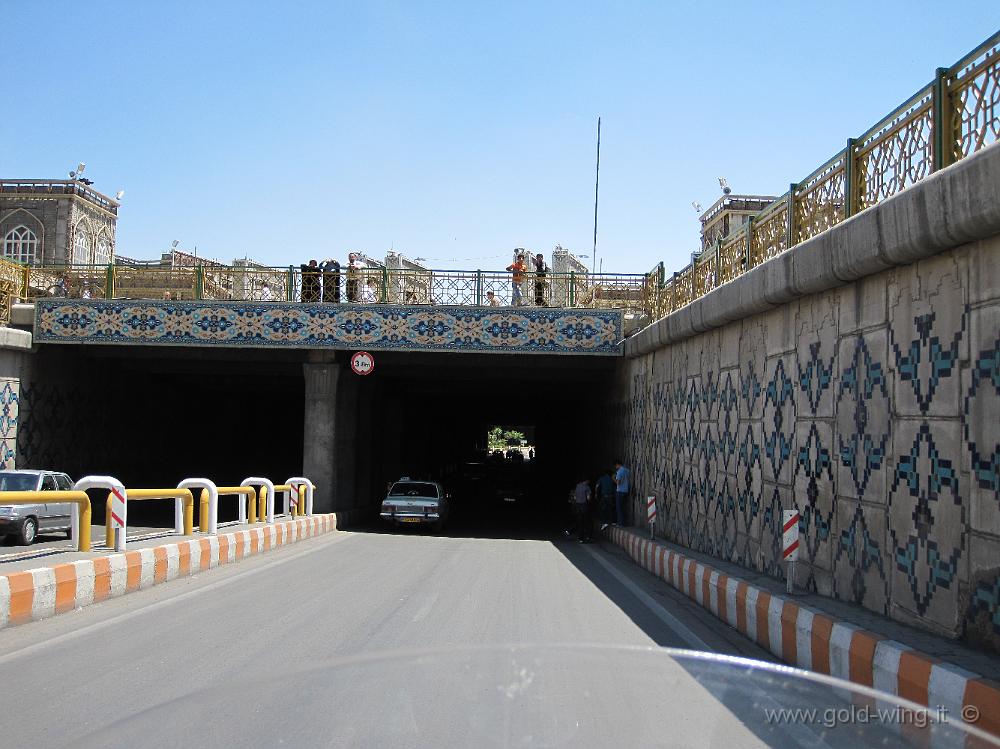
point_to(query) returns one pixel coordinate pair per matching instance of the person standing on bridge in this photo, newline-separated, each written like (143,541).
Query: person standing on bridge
(354,267)
(310,282)
(540,270)
(517,269)
(622,485)
(331,281)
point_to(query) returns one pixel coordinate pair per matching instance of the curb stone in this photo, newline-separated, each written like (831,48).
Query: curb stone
(47,591)
(813,640)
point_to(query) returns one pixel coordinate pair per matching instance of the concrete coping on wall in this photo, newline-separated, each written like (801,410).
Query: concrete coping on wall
(13,339)
(950,208)
(805,631)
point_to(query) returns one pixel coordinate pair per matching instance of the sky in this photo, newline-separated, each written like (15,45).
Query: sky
(285,131)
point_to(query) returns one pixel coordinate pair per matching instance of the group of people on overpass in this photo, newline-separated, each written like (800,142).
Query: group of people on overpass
(607,493)
(519,270)
(321,281)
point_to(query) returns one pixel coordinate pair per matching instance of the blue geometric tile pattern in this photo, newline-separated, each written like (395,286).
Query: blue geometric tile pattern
(927,348)
(273,325)
(862,452)
(9,407)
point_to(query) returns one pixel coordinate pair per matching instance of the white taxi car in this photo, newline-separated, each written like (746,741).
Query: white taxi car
(415,501)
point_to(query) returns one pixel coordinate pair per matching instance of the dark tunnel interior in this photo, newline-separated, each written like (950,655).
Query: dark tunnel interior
(152,417)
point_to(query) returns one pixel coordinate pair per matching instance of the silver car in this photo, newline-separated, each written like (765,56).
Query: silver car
(414,501)
(27,521)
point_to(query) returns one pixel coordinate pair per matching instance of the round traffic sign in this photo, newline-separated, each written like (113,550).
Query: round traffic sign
(363,363)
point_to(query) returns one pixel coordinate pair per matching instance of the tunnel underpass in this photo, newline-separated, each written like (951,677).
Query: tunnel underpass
(153,416)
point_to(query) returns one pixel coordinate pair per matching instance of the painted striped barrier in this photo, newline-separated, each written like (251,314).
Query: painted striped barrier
(813,640)
(47,591)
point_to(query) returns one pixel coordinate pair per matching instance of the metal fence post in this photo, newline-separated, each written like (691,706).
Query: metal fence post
(109,282)
(790,218)
(479,288)
(572,288)
(199,282)
(290,285)
(850,181)
(385,284)
(717,280)
(943,142)
(748,245)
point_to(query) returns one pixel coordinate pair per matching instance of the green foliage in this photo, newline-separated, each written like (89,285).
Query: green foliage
(500,438)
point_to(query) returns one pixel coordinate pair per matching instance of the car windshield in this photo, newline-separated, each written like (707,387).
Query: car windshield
(17,482)
(420,489)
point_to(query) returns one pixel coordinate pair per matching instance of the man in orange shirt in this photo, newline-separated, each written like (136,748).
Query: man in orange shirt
(518,268)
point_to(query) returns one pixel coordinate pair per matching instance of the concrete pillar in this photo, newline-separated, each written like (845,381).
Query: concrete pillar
(320,432)
(347,438)
(366,447)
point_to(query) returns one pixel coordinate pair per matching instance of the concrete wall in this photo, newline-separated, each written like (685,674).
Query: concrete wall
(15,365)
(856,378)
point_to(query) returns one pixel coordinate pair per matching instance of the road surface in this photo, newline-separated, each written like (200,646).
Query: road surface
(346,594)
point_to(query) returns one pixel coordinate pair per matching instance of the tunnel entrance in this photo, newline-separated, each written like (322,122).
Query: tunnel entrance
(154,416)
(507,436)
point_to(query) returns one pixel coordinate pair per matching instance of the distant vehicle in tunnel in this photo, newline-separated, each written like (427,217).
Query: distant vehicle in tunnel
(25,522)
(416,501)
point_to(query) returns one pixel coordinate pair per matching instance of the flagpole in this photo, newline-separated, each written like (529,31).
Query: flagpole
(597,186)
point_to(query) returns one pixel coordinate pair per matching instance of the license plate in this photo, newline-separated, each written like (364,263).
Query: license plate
(411,520)
(509,499)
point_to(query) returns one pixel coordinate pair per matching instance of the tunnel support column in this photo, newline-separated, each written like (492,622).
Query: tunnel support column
(322,375)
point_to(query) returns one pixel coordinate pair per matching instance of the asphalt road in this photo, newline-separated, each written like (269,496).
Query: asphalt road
(264,638)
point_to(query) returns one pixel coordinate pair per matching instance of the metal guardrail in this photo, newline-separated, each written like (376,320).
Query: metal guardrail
(633,292)
(955,115)
(80,500)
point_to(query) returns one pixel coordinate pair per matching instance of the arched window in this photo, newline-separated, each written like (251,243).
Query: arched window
(81,246)
(20,244)
(102,253)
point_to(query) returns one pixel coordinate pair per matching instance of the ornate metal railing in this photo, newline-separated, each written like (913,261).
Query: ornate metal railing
(955,115)
(632,292)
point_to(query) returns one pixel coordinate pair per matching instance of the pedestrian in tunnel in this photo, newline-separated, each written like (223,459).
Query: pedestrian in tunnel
(331,281)
(606,498)
(310,282)
(622,486)
(581,510)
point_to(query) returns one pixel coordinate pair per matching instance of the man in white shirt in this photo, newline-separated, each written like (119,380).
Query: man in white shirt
(368,294)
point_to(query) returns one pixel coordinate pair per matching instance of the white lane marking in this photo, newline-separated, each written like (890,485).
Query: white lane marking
(689,637)
(426,608)
(28,650)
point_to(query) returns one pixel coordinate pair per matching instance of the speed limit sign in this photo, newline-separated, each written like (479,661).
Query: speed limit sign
(363,363)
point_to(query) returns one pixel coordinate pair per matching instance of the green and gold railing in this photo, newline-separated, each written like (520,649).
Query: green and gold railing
(639,293)
(953,116)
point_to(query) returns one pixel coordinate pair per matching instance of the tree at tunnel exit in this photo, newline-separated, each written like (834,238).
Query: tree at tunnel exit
(500,438)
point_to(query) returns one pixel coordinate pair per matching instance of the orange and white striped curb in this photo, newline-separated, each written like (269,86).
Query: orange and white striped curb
(810,639)
(47,591)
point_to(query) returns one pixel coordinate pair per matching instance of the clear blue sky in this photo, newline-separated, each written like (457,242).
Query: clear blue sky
(290,130)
